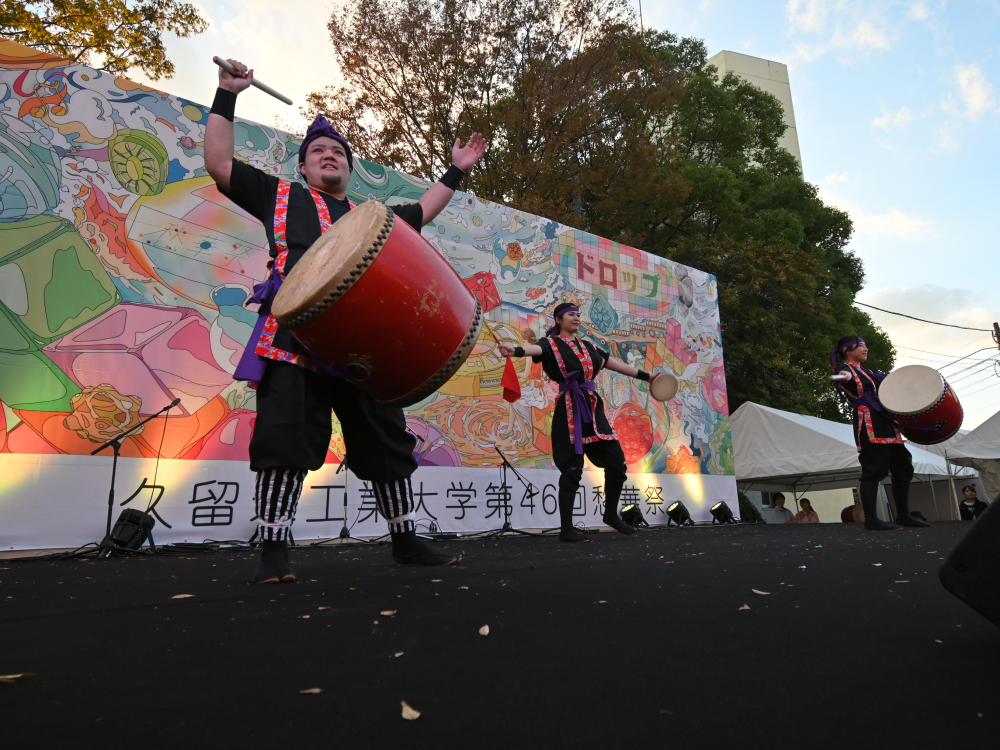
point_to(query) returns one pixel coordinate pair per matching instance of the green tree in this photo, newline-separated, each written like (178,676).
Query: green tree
(566,94)
(787,279)
(111,35)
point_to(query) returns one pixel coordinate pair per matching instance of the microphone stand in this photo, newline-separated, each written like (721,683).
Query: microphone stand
(116,444)
(345,533)
(529,489)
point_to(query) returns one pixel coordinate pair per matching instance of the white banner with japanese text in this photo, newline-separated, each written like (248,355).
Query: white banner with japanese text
(214,500)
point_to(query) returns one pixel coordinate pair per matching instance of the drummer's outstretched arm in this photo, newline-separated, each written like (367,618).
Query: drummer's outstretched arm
(219,138)
(462,158)
(633,372)
(531,350)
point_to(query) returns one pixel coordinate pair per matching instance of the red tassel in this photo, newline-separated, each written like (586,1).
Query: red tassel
(511,386)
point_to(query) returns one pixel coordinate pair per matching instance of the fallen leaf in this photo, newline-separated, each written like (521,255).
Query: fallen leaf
(876,565)
(183,596)
(398,654)
(376,623)
(937,641)
(802,567)
(745,606)
(311,691)
(484,630)
(324,607)
(464,587)
(410,713)
(761,593)
(669,562)
(388,612)
(303,617)
(436,580)
(602,601)
(8,678)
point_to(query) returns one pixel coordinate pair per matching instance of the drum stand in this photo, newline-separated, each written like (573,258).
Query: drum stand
(345,532)
(529,489)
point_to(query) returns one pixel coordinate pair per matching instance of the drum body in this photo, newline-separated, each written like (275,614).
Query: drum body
(373,296)
(923,404)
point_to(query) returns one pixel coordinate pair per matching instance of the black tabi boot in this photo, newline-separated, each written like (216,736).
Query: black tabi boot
(274,565)
(567,531)
(869,501)
(901,494)
(612,519)
(408,549)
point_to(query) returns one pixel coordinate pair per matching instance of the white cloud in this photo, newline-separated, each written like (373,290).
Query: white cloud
(834,178)
(975,92)
(807,15)
(893,223)
(919,12)
(889,121)
(866,36)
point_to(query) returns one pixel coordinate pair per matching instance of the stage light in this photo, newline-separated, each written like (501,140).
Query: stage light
(132,529)
(679,514)
(632,515)
(722,514)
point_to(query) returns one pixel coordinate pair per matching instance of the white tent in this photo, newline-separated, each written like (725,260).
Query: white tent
(980,449)
(778,450)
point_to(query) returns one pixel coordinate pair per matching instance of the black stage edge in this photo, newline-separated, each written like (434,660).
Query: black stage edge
(840,655)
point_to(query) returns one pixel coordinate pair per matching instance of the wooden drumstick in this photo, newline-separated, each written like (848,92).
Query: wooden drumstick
(841,376)
(227,66)
(491,330)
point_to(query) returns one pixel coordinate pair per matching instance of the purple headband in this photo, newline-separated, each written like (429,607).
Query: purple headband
(555,329)
(321,128)
(843,349)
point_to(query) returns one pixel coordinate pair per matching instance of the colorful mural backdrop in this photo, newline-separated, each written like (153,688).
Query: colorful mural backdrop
(123,273)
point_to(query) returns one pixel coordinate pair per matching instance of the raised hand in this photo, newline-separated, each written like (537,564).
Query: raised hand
(235,83)
(464,157)
(506,349)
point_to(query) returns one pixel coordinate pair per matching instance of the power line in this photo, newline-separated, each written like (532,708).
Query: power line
(932,322)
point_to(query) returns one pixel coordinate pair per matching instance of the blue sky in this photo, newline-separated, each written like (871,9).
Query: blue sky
(897,112)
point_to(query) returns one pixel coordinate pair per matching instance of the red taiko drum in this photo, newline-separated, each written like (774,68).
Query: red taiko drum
(373,296)
(923,404)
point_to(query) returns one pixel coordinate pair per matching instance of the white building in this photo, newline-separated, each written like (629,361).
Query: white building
(769,76)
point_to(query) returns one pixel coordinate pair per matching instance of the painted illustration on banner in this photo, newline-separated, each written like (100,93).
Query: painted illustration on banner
(124,273)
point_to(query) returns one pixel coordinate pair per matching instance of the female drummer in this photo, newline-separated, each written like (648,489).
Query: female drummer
(579,425)
(880,444)
(293,427)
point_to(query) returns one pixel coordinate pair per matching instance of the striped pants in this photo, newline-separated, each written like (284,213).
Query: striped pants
(277,497)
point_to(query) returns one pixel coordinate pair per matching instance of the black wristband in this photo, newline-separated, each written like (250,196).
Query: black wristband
(642,375)
(452,178)
(518,351)
(224,104)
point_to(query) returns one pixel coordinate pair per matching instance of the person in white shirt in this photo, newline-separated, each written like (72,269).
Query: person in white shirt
(781,513)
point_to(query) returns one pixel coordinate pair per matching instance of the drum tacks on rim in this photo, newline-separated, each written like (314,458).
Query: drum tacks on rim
(922,403)
(373,296)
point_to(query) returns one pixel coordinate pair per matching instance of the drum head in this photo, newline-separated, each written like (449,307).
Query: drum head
(329,260)
(911,389)
(664,387)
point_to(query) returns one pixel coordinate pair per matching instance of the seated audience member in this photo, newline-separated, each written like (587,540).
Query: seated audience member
(971,506)
(781,513)
(807,514)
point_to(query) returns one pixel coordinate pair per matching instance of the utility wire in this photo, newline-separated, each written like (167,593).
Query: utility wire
(932,322)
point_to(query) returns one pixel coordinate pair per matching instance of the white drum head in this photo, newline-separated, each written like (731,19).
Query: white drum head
(664,387)
(911,390)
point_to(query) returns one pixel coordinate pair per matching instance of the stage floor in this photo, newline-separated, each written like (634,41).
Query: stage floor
(626,642)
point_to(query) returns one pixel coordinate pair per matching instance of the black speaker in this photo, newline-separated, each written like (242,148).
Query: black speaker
(131,529)
(972,570)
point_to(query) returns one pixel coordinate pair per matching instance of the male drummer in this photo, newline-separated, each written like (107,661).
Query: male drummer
(294,399)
